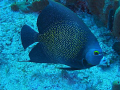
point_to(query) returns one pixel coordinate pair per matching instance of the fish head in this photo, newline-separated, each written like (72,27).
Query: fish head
(94,56)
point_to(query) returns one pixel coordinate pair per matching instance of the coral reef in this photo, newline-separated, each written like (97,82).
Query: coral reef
(27,7)
(106,16)
(22,6)
(100,10)
(68,2)
(114,4)
(38,5)
(116,24)
(96,6)
(75,5)
(14,7)
(111,9)
(116,47)
(116,28)
(110,20)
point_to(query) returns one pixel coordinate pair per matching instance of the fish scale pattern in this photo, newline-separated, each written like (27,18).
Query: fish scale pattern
(63,39)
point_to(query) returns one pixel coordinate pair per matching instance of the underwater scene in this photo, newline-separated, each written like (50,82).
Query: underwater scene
(59,44)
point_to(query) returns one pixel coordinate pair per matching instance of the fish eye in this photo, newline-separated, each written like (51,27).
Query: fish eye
(96,52)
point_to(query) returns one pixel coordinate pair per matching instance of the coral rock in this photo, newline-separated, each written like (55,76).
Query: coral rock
(39,5)
(14,7)
(116,47)
(96,6)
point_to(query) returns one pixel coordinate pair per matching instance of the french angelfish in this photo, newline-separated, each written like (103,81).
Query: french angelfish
(63,38)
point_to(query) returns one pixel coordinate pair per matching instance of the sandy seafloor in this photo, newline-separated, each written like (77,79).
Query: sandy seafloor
(16,75)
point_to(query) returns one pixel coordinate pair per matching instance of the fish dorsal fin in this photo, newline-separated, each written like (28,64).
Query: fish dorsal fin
(53,13)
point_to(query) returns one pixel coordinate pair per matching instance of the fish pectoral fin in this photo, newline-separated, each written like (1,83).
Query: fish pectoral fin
(70,68)
(37,55)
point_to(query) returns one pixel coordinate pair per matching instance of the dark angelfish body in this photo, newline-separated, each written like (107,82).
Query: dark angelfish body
(63,38)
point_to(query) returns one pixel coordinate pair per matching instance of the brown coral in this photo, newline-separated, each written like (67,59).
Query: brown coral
(14,7)
(96,6)
(27,7)
(39,5)
(69,2)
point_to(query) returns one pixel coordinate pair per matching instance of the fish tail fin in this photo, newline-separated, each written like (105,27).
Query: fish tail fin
(28,36)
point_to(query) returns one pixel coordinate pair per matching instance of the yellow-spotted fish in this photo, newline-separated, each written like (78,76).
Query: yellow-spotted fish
(63,38)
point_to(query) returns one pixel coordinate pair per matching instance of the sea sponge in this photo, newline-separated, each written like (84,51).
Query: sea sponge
(116,24)
(14,7)
(76,5)
(69,2)
(22,6)
(26,7)
(39,5)
(116,85)
(116,47)
(96,9)
(100,9)
(108,17)
(115,4)
(96,6)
